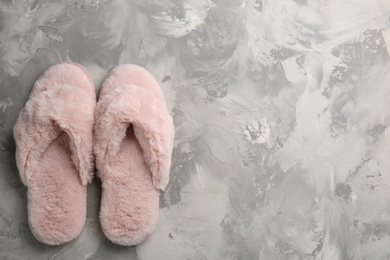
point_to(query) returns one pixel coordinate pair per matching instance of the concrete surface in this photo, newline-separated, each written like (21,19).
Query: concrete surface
(282,117)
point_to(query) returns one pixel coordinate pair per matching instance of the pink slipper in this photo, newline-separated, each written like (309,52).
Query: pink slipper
(54,156)
(133,147)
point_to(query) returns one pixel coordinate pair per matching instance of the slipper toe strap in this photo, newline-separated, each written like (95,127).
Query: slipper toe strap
(62,108)
(152,124)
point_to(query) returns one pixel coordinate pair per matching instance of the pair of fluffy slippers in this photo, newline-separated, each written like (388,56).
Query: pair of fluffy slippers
(62,133)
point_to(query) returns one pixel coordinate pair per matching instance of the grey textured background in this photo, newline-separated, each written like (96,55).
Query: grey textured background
(282,122)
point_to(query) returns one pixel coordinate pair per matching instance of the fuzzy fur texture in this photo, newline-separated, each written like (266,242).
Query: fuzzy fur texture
(54,156)
(133,147)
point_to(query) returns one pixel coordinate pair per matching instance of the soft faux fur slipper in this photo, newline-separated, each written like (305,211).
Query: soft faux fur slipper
(133,147)
(54,156)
